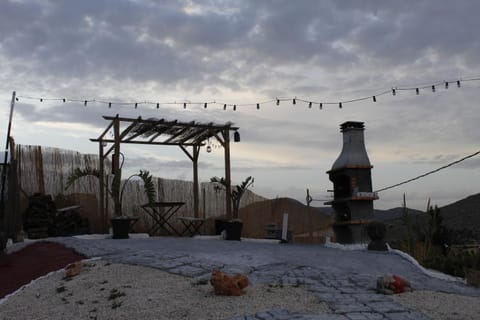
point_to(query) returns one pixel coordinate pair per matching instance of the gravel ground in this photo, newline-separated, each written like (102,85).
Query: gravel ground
(441,306)
(117,291)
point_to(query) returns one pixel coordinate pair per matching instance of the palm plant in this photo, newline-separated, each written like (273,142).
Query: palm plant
(116,190)
(237,192)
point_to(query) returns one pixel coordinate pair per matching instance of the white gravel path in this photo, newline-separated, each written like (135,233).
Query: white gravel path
(117,291)
(441,306)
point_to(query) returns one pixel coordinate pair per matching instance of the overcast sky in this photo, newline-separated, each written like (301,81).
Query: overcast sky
(247,52)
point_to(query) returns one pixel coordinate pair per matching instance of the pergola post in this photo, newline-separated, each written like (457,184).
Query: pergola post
(228,180)
(117,171)
(102,186)
(196,153)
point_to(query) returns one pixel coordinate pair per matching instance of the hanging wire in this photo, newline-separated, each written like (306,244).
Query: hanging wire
(430,172)
(340,103)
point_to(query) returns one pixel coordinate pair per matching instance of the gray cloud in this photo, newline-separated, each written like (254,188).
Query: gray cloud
(250,51)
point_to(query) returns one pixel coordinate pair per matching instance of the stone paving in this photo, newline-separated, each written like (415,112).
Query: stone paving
(349,297)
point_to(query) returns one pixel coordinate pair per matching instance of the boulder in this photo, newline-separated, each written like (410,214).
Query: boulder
(226,285)
(392,284)
(73,269)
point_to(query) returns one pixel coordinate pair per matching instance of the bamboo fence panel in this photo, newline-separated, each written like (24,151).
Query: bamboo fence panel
(45,170)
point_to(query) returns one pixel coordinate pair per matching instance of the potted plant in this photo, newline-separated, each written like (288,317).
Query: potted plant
(233,227)
(120,222)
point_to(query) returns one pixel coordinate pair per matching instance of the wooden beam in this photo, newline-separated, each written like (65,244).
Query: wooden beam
(116,166)
(187,153)
(103,209)
(196,153)
(228,180)
(147,142)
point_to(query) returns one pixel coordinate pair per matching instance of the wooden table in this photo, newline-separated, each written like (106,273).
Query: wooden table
(192,225)
(161,213)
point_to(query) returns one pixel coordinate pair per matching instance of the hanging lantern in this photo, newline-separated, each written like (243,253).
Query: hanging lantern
(236,136)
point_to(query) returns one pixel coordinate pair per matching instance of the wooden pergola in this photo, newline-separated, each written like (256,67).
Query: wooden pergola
(186,135)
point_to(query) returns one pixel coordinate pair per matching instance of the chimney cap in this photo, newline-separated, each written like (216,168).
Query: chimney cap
(352,125)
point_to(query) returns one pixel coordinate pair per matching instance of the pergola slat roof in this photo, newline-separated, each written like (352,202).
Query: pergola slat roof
(153,131)
(161,131)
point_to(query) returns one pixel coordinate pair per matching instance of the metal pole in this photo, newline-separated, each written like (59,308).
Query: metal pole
(4,171)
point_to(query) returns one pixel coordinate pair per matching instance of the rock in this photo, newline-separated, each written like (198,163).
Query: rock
(391,284)
(226,285)
(73,269)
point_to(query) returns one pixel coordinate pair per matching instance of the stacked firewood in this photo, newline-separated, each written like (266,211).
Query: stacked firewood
(42,219)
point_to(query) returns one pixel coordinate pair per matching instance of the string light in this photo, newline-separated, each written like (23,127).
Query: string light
(294,100)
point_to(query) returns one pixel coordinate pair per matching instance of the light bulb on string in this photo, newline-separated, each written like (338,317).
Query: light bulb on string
(136,105)
(278,102)
(294,101)
(340,106)
(417,91)
(225,106)
(205,105)
(433,88)
(446,84)
(320,106)
(234,107)
(458,83)
(394,92)
(258,106)
(64,100)
(85,103)
(109,104)
(374,99)
(310,105)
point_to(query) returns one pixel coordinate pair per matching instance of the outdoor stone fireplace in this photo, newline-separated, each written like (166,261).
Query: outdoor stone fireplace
(352,186)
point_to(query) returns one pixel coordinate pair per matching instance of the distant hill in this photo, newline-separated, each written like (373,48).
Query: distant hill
(393,214)
(457,217)
(460,216)
(463,214)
